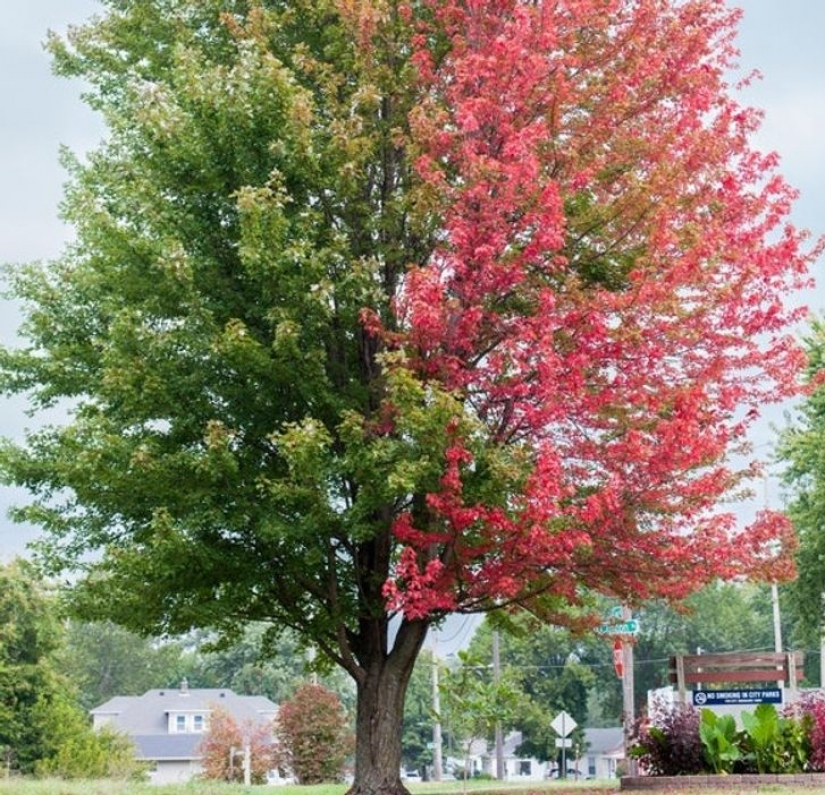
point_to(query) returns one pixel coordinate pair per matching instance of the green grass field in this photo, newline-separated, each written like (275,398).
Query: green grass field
(16,786)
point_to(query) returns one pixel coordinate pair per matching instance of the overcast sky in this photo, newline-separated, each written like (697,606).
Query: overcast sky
(780,38)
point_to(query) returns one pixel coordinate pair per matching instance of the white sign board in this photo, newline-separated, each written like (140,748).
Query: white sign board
(563,724)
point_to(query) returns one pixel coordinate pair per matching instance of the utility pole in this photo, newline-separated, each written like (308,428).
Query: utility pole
(777,619)
(822,657)
(499,733)
(437,759)
(628,708)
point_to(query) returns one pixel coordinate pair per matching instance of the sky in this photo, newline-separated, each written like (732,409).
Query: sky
(40,112)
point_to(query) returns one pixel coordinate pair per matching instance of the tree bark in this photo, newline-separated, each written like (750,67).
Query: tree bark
(380,713)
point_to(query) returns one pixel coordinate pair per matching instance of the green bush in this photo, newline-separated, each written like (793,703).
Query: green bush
(93,755)
(681,741)
(775,744)
(721,741)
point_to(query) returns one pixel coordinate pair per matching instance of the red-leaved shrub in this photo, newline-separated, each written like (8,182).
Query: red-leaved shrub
(668,743)
(223,748)
(811,709)
(314,735)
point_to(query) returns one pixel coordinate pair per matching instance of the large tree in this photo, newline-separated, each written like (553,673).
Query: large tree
(802,449)
(554,670)
(379,310)
(104,660)
(38,714)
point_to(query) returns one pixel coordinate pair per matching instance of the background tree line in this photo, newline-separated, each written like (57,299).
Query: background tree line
(53,670)
(553,669)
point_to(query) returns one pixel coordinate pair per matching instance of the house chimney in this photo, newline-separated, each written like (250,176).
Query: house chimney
(184,687)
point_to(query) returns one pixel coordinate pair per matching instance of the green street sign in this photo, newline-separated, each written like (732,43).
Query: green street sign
(629,627)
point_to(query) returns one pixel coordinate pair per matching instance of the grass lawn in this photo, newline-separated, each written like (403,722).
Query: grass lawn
(16,786)
(54,787)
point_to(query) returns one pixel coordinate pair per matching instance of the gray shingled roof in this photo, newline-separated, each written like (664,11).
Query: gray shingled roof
(146,718)
(604,741)
(168,747)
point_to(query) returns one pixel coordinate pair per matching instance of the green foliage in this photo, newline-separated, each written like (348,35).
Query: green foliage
(42,727)
(419,716)
(476,702)
(92,755)
(679,741)
(775,744)
(104,660)
(241,446)
(554,670)
(802,449)
(720,739)
(258,661)
(719,618)
(37,711)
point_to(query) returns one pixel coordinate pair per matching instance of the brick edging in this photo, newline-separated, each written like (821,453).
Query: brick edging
(733,781)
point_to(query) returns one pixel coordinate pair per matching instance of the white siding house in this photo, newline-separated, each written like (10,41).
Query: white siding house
(603,750)
(167,725)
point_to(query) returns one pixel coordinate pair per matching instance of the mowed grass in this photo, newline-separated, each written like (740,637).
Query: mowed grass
(17,786)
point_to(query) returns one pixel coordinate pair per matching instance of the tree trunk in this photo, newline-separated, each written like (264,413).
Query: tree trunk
(379,718)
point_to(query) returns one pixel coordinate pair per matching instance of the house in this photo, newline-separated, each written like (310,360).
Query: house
(603,750)
(517,767)
(167,725)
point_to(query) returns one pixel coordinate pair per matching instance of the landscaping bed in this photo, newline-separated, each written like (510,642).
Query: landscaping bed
(749,782)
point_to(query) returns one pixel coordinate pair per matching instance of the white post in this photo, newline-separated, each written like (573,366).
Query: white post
(777,628)
(247,765)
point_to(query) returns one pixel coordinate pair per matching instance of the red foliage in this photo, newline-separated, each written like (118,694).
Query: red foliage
(811,706)
(314,735)
(223,747)
(608,297)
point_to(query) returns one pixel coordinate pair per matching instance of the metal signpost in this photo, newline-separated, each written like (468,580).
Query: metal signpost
(563,724)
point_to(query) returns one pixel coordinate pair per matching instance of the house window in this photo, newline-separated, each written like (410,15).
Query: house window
(180,723)
(197,723)
(591,766)
(524,767)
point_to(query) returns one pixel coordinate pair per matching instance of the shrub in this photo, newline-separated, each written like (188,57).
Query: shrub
(90,755)
(678,740)
(668,743)
(811,711)
(315,738)
(773,743)
(223,748)
(721,741)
